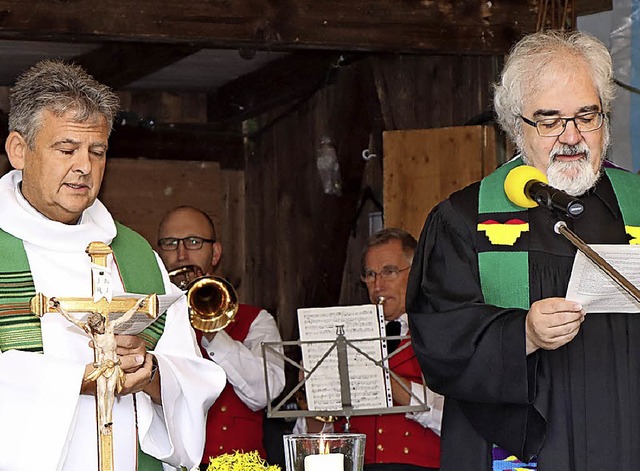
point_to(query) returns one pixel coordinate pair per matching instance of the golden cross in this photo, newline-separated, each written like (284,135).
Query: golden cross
(40,305)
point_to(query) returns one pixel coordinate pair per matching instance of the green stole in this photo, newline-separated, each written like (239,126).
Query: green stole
(20,329)
(504,270)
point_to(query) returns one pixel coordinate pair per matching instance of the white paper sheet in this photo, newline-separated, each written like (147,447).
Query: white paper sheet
(369,383)
(595,290)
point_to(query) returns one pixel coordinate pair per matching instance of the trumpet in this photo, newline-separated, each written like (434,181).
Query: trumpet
(212,300)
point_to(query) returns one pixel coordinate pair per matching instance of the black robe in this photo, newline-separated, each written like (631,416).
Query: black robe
(576,407)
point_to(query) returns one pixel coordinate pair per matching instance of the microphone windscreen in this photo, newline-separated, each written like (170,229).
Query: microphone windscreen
(516,182)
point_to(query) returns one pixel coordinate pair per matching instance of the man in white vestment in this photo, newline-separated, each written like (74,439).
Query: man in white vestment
(59,124)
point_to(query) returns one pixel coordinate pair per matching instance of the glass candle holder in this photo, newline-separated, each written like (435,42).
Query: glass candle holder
(324,451)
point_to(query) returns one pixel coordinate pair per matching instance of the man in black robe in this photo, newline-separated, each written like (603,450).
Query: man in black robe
(536,379)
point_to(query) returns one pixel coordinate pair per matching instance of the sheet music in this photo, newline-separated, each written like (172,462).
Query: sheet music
(595,290)
(370,384)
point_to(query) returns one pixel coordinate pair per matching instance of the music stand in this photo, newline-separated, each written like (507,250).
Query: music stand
(341,344)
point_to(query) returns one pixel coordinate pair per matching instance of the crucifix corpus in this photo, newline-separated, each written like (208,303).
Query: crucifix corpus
(107,372)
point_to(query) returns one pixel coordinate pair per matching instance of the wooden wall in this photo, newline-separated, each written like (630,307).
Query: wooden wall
(296,235)
(434,91)
(303,247)
(424,166)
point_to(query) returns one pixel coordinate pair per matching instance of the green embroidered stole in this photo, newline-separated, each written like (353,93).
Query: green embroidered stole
(21,330)
(503,273)
(140,274)
(504,260)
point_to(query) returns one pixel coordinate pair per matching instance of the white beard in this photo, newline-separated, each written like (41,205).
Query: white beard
(574,178)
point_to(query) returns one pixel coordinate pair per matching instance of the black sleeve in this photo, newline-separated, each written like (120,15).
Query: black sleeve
(467,349)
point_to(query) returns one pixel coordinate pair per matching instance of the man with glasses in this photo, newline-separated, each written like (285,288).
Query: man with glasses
(187,236)
(532,382)
(396,442)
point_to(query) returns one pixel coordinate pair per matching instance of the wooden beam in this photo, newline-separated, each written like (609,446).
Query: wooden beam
(179,142)
(463,26)
(588,7)
(280,82)
(117,64)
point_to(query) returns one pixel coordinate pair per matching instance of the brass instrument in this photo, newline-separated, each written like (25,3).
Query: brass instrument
(212,300)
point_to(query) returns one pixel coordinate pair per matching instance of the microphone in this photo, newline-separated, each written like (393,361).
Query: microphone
(528,187)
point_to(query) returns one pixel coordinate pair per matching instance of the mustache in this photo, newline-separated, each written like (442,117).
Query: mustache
(566,149)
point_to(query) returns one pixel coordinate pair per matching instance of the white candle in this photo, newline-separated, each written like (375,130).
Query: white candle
(324,462)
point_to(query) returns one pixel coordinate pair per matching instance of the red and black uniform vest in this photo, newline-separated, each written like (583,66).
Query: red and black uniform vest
(392,438)
(231,425)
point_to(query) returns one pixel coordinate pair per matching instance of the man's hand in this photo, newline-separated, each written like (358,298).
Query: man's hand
(551,323)
(400,396)
(138,366)
(131,350)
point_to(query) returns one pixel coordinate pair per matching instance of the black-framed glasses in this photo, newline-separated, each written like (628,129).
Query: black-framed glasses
(190,243)
(553,127)
(386,274)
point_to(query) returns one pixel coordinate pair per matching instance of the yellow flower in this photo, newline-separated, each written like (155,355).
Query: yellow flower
(240,462)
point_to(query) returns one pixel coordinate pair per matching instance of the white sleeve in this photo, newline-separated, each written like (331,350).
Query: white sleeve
(243,362)
(175,431)
(36,389)
(431,418)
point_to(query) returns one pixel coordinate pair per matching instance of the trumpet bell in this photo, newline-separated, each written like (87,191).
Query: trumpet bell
(213,303)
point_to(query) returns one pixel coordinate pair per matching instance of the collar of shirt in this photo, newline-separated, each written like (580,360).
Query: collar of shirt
(404,323)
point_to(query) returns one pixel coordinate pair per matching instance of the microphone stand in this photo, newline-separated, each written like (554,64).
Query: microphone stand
(561,228)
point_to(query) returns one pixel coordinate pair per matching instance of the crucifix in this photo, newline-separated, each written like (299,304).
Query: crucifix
(107,373)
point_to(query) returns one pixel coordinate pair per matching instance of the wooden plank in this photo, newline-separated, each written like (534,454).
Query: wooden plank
(427,91)
(280,82)
(588,7)
(179,130)
(358,25)
(128,62)
(5,166)
(297,235)
(231,233)
(423,167)
(489,150)
(177,142)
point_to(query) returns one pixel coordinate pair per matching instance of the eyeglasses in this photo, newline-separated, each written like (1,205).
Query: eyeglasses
(386,274)
(190,243)
(553,127)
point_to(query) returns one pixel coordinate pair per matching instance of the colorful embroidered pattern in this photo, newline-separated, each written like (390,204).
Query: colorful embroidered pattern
(634,232)
(19,329)
(503,234)
(502,461)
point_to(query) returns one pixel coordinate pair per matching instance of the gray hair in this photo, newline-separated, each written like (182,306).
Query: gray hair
(385,236)
(539,53)
(58,87)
